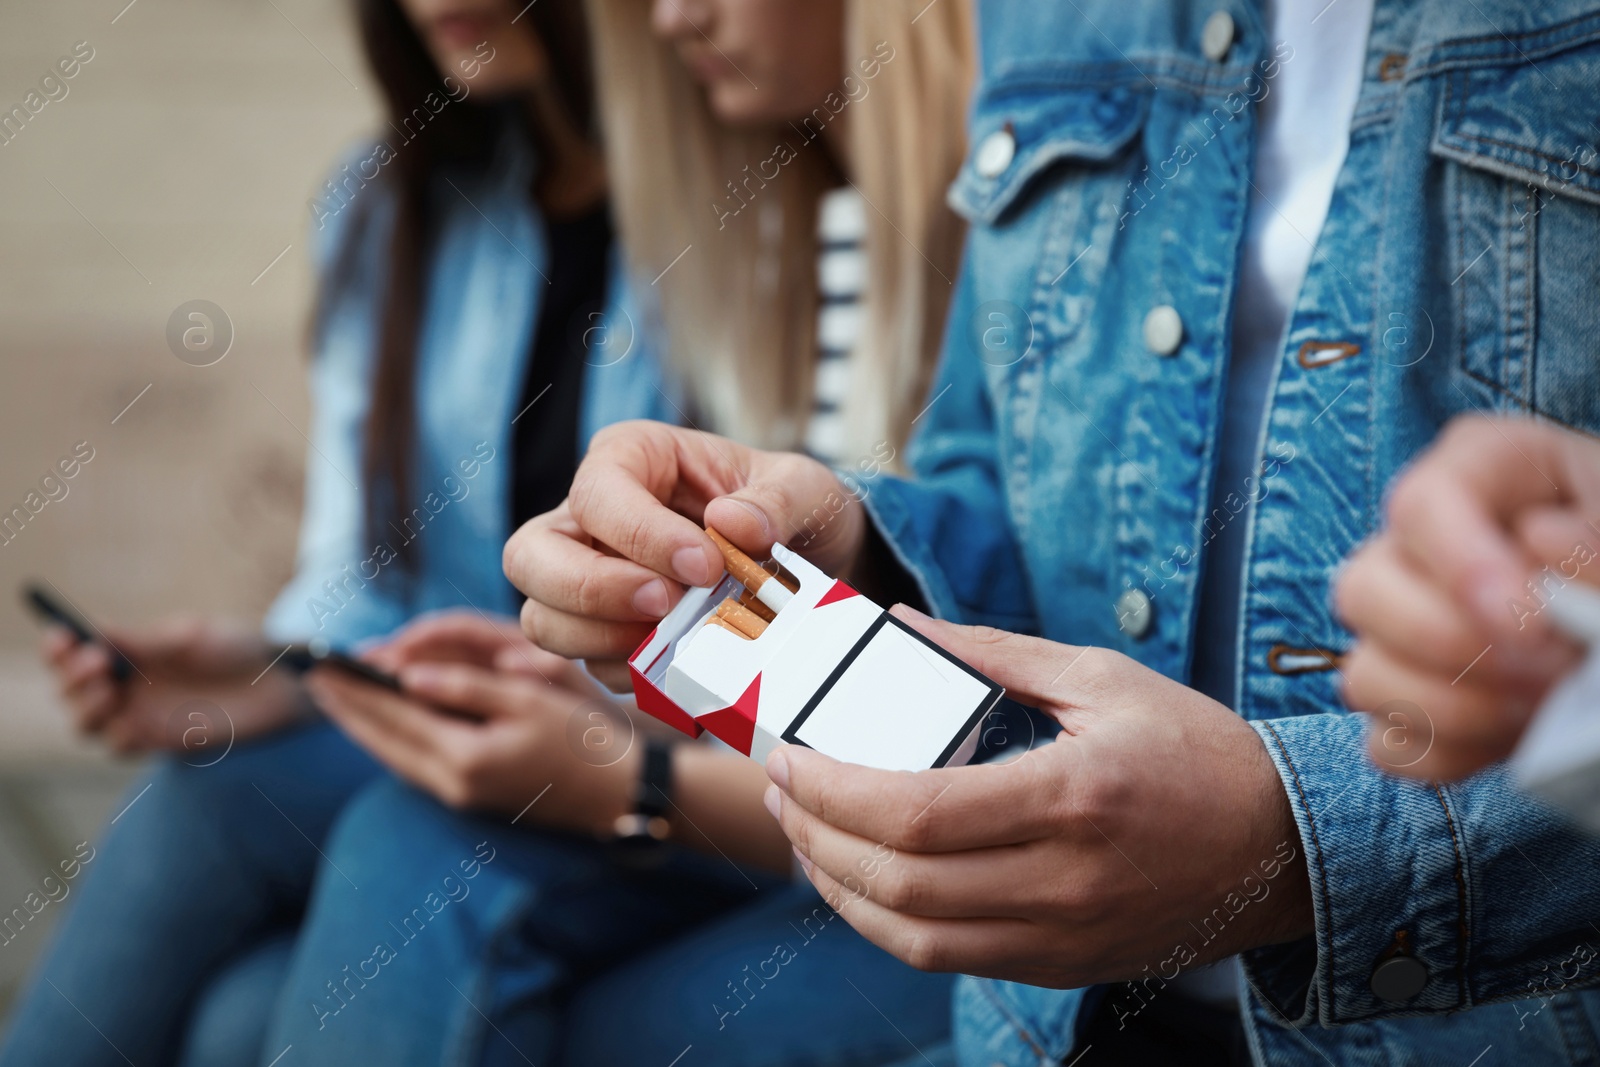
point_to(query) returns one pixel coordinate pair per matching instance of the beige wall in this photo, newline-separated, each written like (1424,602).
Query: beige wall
(191,140)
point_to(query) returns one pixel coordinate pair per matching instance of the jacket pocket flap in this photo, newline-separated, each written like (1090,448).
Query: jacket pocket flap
(1530,122)
(1019,131)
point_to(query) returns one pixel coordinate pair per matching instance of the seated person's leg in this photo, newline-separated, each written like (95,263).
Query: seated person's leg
(228,1027)
(200,862)
(784,981)
(466,932)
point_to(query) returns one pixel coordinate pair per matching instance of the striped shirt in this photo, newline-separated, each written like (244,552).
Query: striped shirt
(841,282)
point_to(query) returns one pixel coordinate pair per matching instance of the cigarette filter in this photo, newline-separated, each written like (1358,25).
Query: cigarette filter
(750,574)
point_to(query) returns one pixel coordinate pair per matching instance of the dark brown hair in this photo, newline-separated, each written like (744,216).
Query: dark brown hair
(460,136)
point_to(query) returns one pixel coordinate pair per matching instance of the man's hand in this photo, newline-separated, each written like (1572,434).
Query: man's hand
(1455,652)
(1154,831)
(601,569)
(188,670)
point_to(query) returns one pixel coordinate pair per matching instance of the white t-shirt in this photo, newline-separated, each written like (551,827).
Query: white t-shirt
(841,285)
(1302,139)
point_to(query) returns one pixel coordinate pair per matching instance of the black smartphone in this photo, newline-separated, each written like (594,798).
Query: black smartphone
(53,611)
(302,658)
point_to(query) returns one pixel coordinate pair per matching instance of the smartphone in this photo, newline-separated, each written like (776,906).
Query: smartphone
(53,611)
(318,653)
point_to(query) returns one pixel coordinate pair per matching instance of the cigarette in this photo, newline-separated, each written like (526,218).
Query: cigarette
(750,574)
(748,599)
(713,620)
(785,579)
(741,618)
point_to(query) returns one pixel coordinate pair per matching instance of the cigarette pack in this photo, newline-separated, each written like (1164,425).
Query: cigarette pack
(832,671)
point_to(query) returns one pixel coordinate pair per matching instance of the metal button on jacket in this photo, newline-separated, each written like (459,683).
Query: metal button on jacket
(1135,613)
(1163,330)
(995,153)
(1217,38)
(1399,978)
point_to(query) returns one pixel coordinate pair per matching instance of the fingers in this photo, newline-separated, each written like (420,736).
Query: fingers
(969,946)
(486,694)
(523,658)
(943,810)
(491,643)
(181,643)
(620,495)
(1034,671)
(600,570)
(96,704)
(1426,725)
(1452,511)
(794,500)
(449,635)
(350,698)
(950,885)
(613,674)
(1386,600)
(526,660)
(55,644)
(415,743)
(1446,761)
(406,760)
(552,561)
(81,664)
(1563,540)
(581,638)
(88,688)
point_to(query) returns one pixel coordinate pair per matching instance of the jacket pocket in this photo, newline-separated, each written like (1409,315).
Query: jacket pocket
(1520,141)
(1022,128)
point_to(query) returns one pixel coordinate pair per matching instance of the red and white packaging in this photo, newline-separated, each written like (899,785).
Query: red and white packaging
(833,671)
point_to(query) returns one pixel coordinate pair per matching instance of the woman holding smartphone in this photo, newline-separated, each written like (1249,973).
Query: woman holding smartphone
(778,171)
(463,350)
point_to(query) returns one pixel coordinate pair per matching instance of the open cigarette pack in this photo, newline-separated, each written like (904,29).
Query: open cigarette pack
(783,653)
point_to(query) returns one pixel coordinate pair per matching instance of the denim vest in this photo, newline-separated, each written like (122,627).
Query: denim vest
(1065,466)
(483,287)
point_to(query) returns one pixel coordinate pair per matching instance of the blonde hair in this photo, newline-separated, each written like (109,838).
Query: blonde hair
(740,305)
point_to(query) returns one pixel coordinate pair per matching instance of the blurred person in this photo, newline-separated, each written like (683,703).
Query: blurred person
(1450,600)
(799,316)
(1263,254)
(463,349)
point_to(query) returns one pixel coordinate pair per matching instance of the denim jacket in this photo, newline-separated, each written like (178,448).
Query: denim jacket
(484,286)
(1064,468)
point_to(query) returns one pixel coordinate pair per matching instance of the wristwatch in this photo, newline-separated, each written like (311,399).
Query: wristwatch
(639,835)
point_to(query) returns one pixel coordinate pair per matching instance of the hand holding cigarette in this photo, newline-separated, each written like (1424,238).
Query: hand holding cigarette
(1452,602)
(600,570)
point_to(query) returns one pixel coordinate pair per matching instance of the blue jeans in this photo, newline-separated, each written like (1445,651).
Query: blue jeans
(438,938)
(193,880)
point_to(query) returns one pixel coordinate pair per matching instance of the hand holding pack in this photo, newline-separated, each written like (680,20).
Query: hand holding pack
(782,652)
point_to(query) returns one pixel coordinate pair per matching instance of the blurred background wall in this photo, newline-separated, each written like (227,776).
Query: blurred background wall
(175,168)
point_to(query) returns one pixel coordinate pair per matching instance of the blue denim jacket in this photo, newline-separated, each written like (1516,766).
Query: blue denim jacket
(484,287)
(1062,464)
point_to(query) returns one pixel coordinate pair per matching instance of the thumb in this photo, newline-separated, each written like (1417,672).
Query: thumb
(458,687)
(795,501)
(1034,671)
